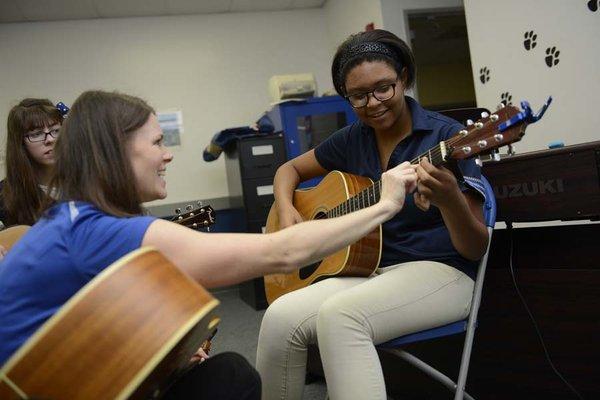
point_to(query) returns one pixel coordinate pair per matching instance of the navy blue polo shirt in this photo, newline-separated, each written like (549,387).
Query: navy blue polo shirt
(412,234)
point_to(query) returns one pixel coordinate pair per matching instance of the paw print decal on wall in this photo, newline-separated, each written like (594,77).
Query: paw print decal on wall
(484,75)
(506,98)
(530,40)
(552,56)
(593,5)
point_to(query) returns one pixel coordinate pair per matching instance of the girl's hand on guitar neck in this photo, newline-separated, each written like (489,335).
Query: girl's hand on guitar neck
(2,252)
(437,186)
(397,183)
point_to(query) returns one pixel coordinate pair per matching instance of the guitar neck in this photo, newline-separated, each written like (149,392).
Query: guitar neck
(372,194)
(504,127)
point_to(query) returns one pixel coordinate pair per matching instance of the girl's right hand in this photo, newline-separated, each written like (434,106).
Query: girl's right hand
(288,216)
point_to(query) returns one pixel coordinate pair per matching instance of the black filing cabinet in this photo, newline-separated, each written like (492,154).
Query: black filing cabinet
(251,165)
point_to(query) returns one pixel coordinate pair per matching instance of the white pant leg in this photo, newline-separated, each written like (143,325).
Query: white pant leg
(402,299)
(287,328)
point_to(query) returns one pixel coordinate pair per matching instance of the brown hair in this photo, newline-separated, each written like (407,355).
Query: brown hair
(21,193)
(346,57)
(91,157)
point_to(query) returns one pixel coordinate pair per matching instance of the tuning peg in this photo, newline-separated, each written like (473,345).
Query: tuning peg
(463,132)
(482,143)
(199,203)
(479,162)
(495,155)
(189,207)
(478,125)
(499,137)
(466,149)
(511,150)
(178,211)
(500,106)
(469,122)
(494,117)
(485,114)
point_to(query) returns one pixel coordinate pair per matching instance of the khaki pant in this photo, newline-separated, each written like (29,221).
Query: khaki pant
(348,317)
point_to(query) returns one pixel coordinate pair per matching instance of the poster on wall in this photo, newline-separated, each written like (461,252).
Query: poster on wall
(171,123)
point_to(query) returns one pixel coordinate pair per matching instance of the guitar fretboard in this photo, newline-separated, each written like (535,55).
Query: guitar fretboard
(371,195)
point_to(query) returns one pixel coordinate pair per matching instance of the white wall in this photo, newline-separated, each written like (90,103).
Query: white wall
(496,38)
(214,68)
(346,17)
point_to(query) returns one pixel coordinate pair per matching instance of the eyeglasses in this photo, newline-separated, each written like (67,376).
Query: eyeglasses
(40,136)
(381,93)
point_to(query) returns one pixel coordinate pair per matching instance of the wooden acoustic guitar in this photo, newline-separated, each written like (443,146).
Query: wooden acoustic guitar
(195,217)
(127,334)
(340,193)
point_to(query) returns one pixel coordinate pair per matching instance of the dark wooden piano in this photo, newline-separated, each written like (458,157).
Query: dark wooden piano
(558,184)
(557,269)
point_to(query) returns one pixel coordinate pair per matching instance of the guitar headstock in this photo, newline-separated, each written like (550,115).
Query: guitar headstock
(485,136)
(195,217)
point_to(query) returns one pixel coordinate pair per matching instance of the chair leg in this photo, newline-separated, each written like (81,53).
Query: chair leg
(464,365)
(429,370)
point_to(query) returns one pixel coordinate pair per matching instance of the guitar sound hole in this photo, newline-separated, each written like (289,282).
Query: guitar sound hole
(307,271)
(320,215)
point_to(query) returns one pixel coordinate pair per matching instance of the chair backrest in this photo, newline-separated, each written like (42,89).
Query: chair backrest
(489,207)
(489,214)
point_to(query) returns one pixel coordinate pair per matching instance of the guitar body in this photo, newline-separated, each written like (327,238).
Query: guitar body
(126,334)
(358,259)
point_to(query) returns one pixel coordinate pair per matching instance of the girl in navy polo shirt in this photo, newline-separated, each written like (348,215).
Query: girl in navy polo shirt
(430,249)
(110,158)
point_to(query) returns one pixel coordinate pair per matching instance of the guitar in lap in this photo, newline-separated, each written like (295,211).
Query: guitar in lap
(127,334)
(340,193)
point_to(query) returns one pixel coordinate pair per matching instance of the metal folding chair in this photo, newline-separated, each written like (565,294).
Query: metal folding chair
(467,325)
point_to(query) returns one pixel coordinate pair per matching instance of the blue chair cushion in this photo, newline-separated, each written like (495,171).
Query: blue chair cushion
(444,330)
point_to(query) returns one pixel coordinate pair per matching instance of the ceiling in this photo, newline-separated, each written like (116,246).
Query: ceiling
(55,10)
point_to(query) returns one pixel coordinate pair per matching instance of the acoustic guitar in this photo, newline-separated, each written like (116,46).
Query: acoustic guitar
(340,193)
(127,334)
(195,217)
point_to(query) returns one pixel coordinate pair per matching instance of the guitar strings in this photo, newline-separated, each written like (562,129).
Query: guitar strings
(371,194)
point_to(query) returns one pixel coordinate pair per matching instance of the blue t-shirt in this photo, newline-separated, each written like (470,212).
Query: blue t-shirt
(59,255)
(412,234)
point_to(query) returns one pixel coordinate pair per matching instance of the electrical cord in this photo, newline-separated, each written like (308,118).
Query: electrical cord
(535,325)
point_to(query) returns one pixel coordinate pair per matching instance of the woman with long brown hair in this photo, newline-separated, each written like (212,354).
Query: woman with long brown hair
(32,128)
(110,158)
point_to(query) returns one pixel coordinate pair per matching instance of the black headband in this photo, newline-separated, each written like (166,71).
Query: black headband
(362,49)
